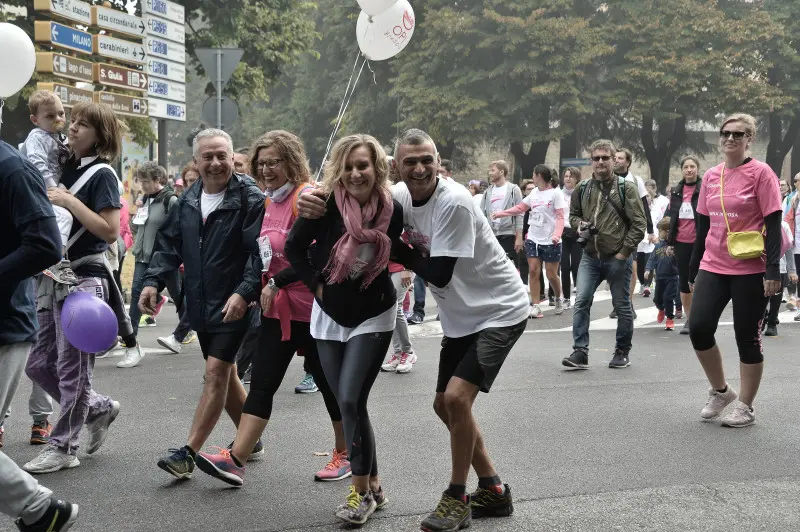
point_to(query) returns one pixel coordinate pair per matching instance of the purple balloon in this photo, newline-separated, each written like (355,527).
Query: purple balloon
(88,322)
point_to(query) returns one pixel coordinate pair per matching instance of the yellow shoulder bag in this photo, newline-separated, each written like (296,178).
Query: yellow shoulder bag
(742,244)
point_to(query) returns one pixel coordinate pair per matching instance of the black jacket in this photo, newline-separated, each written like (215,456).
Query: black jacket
(675,202)
(346,303)
(214,254)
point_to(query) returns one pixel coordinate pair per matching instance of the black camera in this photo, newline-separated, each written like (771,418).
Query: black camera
(585,231)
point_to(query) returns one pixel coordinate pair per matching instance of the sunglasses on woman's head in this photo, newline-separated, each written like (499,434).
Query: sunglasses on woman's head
(737,135)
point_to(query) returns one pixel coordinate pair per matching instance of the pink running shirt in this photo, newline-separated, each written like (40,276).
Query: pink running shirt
(278,221)
(751,194)
(687,230)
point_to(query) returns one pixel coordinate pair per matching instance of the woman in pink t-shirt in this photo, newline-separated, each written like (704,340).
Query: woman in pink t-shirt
(281,162)
(682,231)
(752,202)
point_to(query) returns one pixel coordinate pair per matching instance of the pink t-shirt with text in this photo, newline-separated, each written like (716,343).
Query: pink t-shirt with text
(278,221)
(687,231)
(751,194)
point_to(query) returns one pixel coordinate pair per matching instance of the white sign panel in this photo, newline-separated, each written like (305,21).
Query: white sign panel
(69,9)
(167,110)
(118,21)
(160,68)
(166,29)
(130,52)
(157,47)
(165,9)
(162,88)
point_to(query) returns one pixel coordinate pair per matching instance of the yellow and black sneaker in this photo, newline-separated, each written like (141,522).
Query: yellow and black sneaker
(59,517)
(451,515)
(490,503)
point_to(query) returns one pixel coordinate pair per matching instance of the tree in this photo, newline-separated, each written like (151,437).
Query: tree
(681,60)
(512,71)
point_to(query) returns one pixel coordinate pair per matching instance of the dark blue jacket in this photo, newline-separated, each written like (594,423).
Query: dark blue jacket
(665,266)
(214,255)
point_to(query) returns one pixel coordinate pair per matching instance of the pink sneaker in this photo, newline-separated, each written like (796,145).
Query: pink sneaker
(337,469)
(407,361)
(391,364)
(159,305)
(221,466)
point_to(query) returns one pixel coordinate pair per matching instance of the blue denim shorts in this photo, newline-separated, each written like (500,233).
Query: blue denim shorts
(551,253)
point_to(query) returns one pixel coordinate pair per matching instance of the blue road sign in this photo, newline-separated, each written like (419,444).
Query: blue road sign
(67,37)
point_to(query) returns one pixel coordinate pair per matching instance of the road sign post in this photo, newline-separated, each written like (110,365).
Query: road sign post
(219,64)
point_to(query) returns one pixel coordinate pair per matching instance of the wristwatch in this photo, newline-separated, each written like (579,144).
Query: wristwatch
(271,284)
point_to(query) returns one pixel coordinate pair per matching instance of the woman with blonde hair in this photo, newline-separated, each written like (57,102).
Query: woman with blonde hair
(739,201)
(353,314)
(279,159)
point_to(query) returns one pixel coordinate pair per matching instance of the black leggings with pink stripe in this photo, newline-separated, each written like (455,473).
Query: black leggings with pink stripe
(712,292)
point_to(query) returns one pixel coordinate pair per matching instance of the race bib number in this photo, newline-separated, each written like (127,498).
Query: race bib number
(142,213)
(265,250)
(536,219)
(686,212)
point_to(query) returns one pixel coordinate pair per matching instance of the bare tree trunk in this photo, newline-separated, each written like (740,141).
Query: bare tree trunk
(780,144)
(527,161)
(661,146)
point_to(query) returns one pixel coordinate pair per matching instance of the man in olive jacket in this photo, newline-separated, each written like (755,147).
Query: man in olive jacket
(213,231)
(610,220)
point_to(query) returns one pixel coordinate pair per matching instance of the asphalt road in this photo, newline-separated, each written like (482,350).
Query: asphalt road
(595,450)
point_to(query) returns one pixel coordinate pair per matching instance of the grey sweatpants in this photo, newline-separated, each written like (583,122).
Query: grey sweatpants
(21,495)
(401,341)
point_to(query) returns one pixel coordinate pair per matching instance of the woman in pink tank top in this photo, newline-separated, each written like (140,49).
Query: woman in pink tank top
(280,163)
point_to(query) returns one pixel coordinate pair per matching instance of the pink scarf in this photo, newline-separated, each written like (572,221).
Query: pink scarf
(344,252)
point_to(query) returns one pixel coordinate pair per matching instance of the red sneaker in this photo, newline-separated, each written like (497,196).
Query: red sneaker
(670,325)
(159,305)
(40,433)
(660,317)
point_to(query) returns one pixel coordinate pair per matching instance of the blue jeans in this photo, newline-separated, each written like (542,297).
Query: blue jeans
(591,273)
(136,290)
(419,295)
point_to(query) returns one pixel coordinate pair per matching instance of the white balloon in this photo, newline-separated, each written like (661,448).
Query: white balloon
(375,7)
(383,36)
(17,61)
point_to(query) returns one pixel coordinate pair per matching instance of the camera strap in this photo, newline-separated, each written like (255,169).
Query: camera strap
(607,197)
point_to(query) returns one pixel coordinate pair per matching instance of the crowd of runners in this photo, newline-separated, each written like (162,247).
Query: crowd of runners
(264,268)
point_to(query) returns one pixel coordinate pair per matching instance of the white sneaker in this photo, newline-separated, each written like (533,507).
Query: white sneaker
(740,415)
(536,312)
(169,342)
(717,402)
(133,355)
(51,460)
(391,364)
(567,304)
(407,361)
(98,429)
(559,306)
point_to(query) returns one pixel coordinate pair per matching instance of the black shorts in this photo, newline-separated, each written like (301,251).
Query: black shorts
(478,357)
(221,345)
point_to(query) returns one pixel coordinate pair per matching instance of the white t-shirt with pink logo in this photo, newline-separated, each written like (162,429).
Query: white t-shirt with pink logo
(752,193)
(542,218)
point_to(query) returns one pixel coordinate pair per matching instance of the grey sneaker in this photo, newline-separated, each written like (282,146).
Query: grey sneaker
(685,329)
(98,429)
(50,460)
(740,415)
(717,402)
(559,306)
(358,508)
(620,359)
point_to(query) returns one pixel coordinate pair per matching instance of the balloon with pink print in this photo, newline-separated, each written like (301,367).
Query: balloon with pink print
(386,34)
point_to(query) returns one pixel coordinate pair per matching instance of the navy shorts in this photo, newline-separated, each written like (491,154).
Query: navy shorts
(550,253)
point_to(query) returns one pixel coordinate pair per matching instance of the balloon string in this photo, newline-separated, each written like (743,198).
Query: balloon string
(374,80)
(338,116)
(2,104)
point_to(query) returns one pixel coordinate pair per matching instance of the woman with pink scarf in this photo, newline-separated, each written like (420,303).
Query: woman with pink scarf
(343,258)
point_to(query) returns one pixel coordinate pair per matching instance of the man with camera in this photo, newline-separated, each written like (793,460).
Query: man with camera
(611,222)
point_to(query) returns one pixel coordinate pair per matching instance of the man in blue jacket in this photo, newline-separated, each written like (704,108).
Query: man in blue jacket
(31,242)
(212,231)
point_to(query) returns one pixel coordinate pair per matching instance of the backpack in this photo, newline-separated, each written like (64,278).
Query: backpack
(297,191)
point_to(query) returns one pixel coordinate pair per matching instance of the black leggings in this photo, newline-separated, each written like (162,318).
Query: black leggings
(683,256)
(775,302)
(270,362)
(712,292)
(792,287)
(641,266)
(571,253)
(352,367)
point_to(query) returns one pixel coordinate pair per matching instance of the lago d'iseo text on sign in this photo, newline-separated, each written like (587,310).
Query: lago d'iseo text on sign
(64,66)
(62,36)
